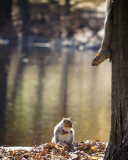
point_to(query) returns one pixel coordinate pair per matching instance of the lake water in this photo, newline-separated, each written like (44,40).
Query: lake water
(40,86)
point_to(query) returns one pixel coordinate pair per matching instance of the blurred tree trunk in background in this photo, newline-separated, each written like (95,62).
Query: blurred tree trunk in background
(24,10)
(4,64)
(67,7)
(52,1)
(118,143)
(5,10)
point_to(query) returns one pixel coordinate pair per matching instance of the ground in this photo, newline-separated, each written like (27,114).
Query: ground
(87,150)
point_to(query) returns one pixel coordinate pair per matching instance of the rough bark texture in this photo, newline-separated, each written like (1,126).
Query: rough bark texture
(118,144)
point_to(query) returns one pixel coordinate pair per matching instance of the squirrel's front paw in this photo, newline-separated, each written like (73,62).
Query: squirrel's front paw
(64,132)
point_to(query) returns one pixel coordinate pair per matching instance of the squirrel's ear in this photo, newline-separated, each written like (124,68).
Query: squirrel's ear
(63,119)
(96,54)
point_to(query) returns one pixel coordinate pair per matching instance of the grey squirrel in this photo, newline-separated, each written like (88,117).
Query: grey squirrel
(105,49)
(63,132)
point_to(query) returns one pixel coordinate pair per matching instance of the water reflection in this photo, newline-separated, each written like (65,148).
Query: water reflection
(44,85)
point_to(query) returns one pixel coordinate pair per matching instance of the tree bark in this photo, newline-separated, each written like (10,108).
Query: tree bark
(118,143)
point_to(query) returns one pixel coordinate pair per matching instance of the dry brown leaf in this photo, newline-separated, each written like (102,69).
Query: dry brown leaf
(58,148)
(65,148)
(45,151)
(93,149)
(34,155)
(94,158)
(68,156)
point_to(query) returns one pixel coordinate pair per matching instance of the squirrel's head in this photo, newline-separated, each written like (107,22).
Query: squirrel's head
(96,60)
(67,122)
(103,54)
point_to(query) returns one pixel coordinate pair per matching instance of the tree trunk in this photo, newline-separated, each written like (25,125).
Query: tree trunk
(24,10)
(118,143)
(5,8)
(67,7)
(4,62)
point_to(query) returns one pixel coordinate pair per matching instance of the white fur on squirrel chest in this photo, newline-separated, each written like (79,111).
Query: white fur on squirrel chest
(66,137)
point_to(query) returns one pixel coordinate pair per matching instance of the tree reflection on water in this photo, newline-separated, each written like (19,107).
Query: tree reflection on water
(44,85)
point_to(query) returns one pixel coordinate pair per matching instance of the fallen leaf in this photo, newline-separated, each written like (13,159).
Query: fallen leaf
(68,156)
(33,155)
(45,151)
(26,156)
(65,148)
(93,149)
(58,148)
(94,158)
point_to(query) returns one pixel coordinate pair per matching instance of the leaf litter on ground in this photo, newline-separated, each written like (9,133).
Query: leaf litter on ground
(86,150)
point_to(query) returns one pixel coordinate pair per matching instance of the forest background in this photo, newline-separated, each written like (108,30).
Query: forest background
(46,50)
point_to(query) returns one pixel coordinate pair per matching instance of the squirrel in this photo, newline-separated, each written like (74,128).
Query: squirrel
(105,49)
(63,132)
